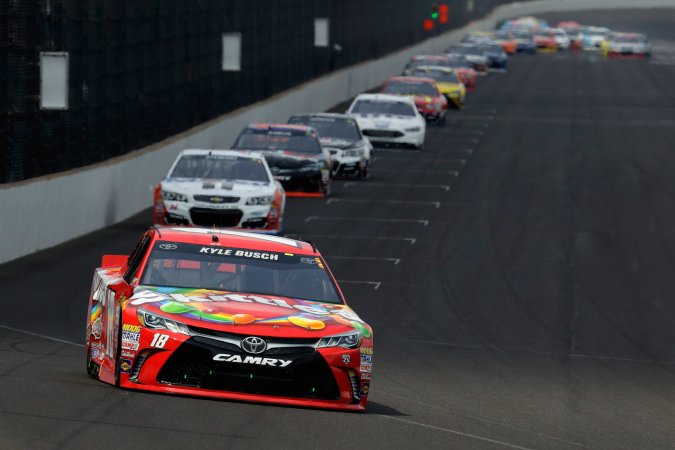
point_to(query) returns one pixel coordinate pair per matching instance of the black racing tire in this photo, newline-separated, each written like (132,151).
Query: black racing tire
(118,350)
(93,369)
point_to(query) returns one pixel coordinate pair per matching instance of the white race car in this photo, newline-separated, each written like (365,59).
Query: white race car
(221,189)
(561,38)
(340,134)
(593,37)
(389,119)
(627,44)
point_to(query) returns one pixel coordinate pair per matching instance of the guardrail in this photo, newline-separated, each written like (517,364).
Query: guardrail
(47,211)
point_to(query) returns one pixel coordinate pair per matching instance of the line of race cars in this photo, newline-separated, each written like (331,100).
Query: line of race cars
(205,307)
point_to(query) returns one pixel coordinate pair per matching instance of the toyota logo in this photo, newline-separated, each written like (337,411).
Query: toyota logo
(168,246)
(253,345)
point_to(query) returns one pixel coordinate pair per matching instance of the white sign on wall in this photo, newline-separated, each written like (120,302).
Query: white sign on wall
(321,32)
(54,80)
(231,52)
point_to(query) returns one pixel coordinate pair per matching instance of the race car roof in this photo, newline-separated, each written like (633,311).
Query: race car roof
(385,98)
(233,238)
(435,68)
(324,114)
(419,80)
(279,126)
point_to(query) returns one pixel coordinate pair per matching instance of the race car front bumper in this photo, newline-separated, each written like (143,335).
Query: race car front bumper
(203,366)
(413,136)
(348,165)
(223,216)
(303,183)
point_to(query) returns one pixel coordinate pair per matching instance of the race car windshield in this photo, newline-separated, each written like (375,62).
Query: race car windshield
(427,62)
(220,167)
(626,40)
(465,50)
(522,35)
(175,264)
(331,127)
(409,88)
(383,107)
(438,75)
(292,140)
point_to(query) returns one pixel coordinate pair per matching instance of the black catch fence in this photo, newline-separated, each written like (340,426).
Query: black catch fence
(142,70)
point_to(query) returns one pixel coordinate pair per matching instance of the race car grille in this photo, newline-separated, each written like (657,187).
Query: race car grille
(218,199)
(382,133)
(301,183)
(193,365)
(230,341)
(205,217)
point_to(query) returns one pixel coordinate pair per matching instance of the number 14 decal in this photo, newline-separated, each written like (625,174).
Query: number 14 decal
(159,340)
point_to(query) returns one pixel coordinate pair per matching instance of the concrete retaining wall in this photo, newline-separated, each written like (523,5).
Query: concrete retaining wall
(47,211)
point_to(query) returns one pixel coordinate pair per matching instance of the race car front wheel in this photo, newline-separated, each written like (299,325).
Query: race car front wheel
(92,367)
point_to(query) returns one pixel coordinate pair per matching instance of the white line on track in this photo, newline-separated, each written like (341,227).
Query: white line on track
(394,261)
(435,160)
(375,284)
(455,432)
(471,118)
(470,124)
(424,222)
(30,333)
(461,131)
(452,173)
(479,419)
(436,205)
(410,240)
(395,150)
(445,187)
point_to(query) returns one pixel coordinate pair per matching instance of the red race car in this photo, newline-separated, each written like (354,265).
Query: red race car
(227,314)
(429,100)
(544,41)
(466,74)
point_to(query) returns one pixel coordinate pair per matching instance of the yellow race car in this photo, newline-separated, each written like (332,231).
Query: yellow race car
(447,81)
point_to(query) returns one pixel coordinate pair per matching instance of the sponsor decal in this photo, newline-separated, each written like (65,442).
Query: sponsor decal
(168,246)
(97,350)
(239,253)
(132,328)
(253,345)
(365,387)
(125,366)
(308,260)
(366,359)
(365,376)
(257,360)
(346,359)
(366,367)
(97,328)
(159,340)
(130,345)
(129,336)
(128,354)
(367,350)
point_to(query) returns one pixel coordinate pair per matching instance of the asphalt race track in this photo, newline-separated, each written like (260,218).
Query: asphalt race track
(519,274)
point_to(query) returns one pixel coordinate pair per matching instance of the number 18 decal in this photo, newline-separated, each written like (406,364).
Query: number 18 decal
(159,340)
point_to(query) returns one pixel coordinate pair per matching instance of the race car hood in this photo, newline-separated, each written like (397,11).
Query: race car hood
(338,143)
(450,87)
(285,159)
(385,120)
(253,314)
(216,187)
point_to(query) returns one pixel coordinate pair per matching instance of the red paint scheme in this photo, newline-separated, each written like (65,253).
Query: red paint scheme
(428,106)
(112,301)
